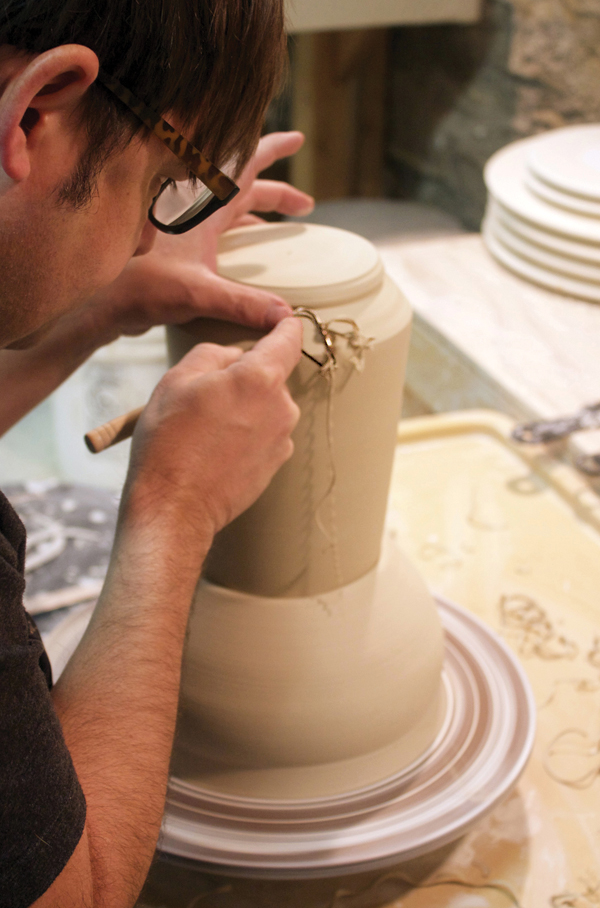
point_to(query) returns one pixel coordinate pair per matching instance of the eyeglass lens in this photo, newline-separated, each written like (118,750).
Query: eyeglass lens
(179,202)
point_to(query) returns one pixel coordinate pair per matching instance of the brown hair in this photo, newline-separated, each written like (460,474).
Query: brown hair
(213,64)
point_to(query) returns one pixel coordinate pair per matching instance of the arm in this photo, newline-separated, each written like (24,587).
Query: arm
(172,284)
(215,430)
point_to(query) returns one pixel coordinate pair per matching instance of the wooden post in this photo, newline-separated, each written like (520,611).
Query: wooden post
(339,81)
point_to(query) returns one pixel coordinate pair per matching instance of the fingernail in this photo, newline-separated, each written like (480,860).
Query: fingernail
(276,311)
(306,209)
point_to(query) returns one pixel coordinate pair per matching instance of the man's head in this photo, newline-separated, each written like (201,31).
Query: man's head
(78,169)
(213,64)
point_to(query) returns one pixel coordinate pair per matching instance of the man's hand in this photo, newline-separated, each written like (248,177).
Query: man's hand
(215,431)
(176,281)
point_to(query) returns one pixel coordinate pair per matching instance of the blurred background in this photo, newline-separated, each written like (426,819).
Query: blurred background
(408,99)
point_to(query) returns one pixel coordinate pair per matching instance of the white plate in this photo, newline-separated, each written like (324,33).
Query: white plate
(585,252)
(551,280)
(476,760)
(505,179)
(537,255)
(569,159)
(548,193)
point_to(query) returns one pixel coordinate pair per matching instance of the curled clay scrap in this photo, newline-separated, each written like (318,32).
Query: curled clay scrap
(574,743)
(580,686)
(524,618)
(593,657)
(357,343)
(589,898)
(535,635)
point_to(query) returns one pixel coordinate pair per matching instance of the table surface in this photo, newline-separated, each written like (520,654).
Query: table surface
(485,337)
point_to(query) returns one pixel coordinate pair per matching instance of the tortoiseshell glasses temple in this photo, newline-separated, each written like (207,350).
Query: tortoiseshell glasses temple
(217,189)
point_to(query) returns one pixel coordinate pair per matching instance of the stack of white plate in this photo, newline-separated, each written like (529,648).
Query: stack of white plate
(543,215)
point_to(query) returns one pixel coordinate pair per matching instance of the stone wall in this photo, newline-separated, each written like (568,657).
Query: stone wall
(458,93)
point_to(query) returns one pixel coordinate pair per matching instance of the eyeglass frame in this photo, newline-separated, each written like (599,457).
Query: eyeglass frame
(222,187)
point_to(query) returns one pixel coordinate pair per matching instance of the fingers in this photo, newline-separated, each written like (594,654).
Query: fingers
(248,220)
(275,355)
(204,358)
(219,298)
(272,195)
(274,146)
(217,428)
(279,351)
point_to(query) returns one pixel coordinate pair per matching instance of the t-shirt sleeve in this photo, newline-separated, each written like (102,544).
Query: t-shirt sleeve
(42,807)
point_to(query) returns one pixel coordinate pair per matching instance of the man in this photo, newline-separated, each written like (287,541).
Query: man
(83,767)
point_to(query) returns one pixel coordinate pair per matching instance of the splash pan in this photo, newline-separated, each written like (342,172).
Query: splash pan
(476,759)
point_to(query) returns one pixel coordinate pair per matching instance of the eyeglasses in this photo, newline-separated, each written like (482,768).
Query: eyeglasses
(180,205)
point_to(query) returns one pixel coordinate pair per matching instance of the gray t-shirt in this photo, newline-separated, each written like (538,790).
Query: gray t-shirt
(42,806)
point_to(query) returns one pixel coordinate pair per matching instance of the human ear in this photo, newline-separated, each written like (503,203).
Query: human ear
(53,81)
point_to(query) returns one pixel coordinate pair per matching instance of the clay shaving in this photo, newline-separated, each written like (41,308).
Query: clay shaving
(357,345)
(528,623)
(593,657)
(580,686)
(329,495)
(589,898)
(574,743)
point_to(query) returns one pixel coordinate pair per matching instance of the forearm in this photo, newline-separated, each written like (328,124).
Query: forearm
(117,699)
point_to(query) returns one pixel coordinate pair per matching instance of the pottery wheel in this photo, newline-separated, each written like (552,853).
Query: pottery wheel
(476,759)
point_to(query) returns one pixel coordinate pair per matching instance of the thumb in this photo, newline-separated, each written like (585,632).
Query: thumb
(220,298)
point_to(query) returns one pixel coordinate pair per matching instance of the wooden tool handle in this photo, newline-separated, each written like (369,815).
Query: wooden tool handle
(111,433)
